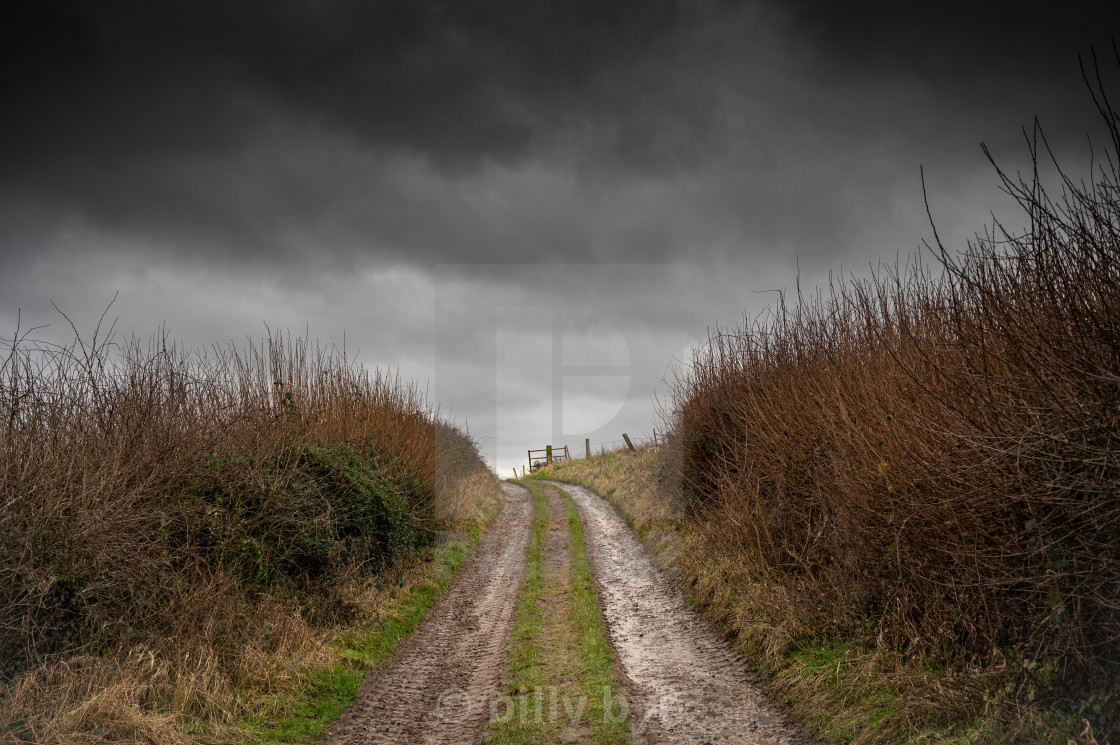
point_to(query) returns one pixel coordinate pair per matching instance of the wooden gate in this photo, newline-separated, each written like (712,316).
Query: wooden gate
(540,458)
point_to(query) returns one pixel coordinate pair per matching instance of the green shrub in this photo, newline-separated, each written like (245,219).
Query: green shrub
(371,515)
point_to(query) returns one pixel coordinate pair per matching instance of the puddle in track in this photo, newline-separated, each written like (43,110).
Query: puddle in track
(686,684)
(436,687)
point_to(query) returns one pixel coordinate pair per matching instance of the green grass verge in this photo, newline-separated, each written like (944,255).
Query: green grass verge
(853,705)
(303,716)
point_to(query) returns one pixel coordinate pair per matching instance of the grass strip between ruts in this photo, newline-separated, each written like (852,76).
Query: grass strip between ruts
(583,668)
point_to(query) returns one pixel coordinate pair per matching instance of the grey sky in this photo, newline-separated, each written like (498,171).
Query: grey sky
(455,182)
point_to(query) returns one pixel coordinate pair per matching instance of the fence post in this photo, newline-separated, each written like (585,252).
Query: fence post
(628,443)
(515,471)
(567,455)
(548,454)
(587,446)
(655,438)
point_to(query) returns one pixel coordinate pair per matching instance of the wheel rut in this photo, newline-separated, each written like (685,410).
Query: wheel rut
(686,684)
(434,689)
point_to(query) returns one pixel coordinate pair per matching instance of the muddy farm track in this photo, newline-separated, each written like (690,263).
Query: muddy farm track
(684,683)
(434,688)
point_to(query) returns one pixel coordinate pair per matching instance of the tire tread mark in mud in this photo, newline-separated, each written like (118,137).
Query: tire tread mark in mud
(436,688)
(686,684)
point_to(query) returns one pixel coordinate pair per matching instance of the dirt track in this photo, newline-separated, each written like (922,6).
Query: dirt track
(686,685)
(435,688)
(682,681)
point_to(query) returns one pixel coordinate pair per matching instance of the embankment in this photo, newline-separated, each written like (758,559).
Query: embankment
(901,495)
(186,537)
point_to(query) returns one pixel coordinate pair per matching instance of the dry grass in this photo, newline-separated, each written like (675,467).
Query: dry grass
(846,691)
(181,533)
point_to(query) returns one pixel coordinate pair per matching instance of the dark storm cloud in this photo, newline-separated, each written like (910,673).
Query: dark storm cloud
(327,133)
(993,60)
(454,81)
(462,82)
(271,131)
(951,45)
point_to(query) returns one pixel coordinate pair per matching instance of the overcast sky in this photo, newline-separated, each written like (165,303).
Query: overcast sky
(534,207)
